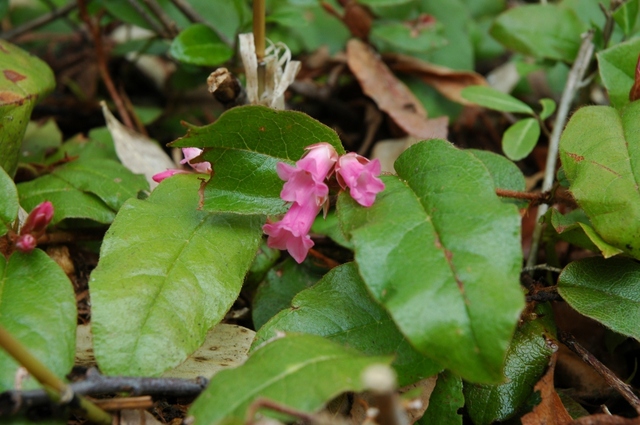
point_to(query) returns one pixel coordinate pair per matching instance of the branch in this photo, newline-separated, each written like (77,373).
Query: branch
(40,21)
(573,84)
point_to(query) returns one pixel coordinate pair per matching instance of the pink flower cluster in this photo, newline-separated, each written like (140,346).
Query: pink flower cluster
(189,154)
(34,226)
(306,188)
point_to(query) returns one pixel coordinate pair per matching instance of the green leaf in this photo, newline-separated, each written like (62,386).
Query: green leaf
(542,31)
(68,202)
(526,362)
(495,99)
(400,36)
(567,227)
(24,81)
(600,153)
(449,279)
(548,108)
(340,309)
(617,66)
(330,226)
(378,3)
(38,307)
(626,15)
(39,140)
(605,290)
(111,181)
(167,273)
(245,144)
(520,139)
(445,401)
(9,205)
(200,45)
(505,174)
(280,286)
(300,371)
(99,145)
(606,249)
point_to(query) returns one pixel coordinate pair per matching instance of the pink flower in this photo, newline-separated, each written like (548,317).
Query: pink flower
(166,174)
(38,219)
(305,180)
(361,177)
(292,232)
(26,243)
(191,153)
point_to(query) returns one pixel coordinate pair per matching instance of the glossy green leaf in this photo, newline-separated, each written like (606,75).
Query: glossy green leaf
(200,45)
(68,202)
(617,66)
(300,371)
(38,307)
(526,362)
(542,31)
(278,289)
(400,36)
(9,205)
(626,15)
(548,108)
(340,309)
(600,153)
(167,273)
(445,401)
(505,174)
(24,81)
(449,279)
(567,227)
(495,99)
(607,290)
(245,144)
(520,139)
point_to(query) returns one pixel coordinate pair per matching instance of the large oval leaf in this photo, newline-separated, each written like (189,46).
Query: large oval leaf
(605,290)
(600,153)
(340,309)
(38,307)
(245,144)
(25,79)
(167,273)
(543,31)
(442,253)
(9,205)
(300,371)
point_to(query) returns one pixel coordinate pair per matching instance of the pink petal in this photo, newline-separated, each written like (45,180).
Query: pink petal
(166,174)
(361,177)
(26,243)
(38,219)
(291,233)
(190,154)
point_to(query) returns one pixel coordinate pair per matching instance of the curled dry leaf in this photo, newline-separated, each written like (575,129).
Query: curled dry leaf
(550,411)
(389,93)
(136,152)
(447,81)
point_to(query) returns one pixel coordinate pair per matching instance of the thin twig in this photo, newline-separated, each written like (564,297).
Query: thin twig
(102,64)
(39,21)
(169,25)
(624,389)
(528,196)
(148,18)
(573,81)
(195,17)
(57,390)
(265,403)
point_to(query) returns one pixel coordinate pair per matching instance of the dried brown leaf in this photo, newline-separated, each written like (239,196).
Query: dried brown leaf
(389,93)
(447,81)
(603,419)
(550,411)
(634,94)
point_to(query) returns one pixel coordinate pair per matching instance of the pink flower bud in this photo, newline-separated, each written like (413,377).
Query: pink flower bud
(26,243)
(166,174)
(38,219)
(361,177)
(291,233)
(191,153)
(305,180)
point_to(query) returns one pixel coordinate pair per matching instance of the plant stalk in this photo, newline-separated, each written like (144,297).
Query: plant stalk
(574,79)
(259,15)
(57,389)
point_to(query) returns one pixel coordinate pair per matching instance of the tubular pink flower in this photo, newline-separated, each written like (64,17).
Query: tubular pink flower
(26,243)
(191,153)
(166,174)
(305,180)
(291,233)
(38,219)
(361,177)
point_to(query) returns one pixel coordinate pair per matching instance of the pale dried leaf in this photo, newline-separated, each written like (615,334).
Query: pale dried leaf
(137,417)
(137,152)
(550,411)
(389,93)
(84,347)
(447,81)
(225,346)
